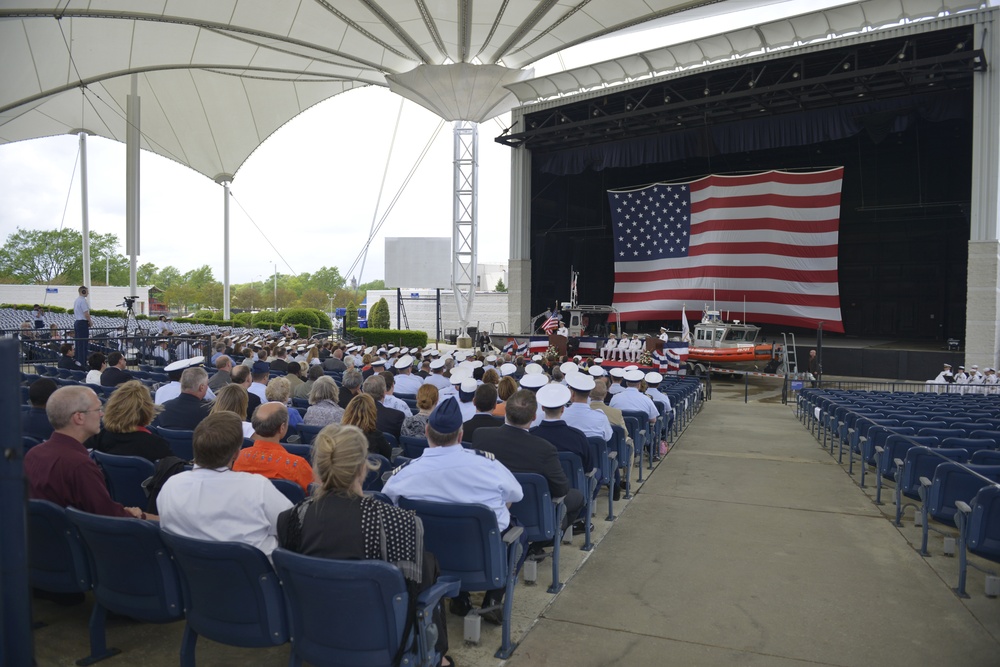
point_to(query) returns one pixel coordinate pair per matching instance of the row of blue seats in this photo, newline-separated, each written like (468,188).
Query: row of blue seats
(932,452)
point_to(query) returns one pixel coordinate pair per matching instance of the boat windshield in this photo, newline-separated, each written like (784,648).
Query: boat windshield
(735,334)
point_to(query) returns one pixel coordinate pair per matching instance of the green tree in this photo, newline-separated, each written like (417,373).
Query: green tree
(167,277)
(373,285)
(56,255)
(378,316)
(247,297)
(326,280)
(199,278)
(314,298)
(500,286)
(351,316)
(145,274)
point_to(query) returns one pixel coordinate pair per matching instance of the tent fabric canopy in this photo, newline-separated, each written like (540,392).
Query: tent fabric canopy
(217,78)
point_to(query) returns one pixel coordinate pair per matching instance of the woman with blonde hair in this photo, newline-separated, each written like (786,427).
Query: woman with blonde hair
(124,431)
(339,521)
(427,399)
(491,376)
(506,389)
(361,412)
(279,390)
(323,408)
(312,357)
(233,398)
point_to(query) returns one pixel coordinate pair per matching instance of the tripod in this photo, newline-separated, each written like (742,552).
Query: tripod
(130,329)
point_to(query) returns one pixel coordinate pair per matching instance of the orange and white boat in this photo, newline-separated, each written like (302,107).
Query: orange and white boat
(715,342)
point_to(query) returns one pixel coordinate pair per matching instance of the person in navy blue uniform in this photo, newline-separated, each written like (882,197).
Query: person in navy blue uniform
(115,374)
(447,472)
(35,422)
(485,400)
(520,451)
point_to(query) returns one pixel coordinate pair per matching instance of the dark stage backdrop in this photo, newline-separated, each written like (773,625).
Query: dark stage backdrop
(903,235)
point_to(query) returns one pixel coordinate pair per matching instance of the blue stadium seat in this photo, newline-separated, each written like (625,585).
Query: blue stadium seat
(57,558)
(605,461)
(470,548)
(951,482)
(542,517)
(920,462)
(979,523)
(290,490)
(125,475)
(585,483)
(180,442)
(413,447)
(307,433)
(133,575)
(231,595)
(370,629)
(624,458)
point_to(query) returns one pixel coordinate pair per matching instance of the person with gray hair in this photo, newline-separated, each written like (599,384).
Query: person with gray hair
(267,456)
(186,411)
(389,419)
(350,387)
(60,470)
(303,389)
(323,408)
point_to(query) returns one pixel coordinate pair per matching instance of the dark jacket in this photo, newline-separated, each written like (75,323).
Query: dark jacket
(35,423)
(137,443)
(69,363)
(565,438)
(183,413)
(479,420)
(114,376)
(520,451)
(389,420)
(279,365)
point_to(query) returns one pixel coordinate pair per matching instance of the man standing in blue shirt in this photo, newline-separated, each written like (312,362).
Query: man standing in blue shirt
(81,322)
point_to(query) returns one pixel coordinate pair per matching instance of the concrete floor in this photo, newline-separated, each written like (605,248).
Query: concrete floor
(747,545)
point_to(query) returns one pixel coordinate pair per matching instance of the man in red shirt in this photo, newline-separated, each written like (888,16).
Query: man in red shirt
(267,457)
(59,469)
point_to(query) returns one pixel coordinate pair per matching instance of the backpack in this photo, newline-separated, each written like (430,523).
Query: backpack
(165,468)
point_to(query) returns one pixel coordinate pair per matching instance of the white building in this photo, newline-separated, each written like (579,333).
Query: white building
(489,310)
(101,298)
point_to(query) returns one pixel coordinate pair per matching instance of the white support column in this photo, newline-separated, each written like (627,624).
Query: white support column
(982,318)
(519,264)
(224,180)
(85,210)
(132,142)
(464,232)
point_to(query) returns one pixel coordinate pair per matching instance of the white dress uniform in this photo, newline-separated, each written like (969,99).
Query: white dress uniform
(635,349)
(591,422)
(630,399)
(468,410)
(259,390)
(439,381)
(608,350)
(623,346)
(408,383)
(455,474)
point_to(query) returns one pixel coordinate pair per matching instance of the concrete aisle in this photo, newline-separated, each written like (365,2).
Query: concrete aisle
(750,545)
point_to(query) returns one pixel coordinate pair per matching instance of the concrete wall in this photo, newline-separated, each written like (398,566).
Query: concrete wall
(487,308)
(101,298)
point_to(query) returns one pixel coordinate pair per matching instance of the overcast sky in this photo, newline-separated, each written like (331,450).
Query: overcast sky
(312,188)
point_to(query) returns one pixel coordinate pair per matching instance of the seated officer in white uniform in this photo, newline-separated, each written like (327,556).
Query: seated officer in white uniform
(406,381)
(635,348)
(448,473)
(653,381)
(610,346)
(630,398)
(623,345)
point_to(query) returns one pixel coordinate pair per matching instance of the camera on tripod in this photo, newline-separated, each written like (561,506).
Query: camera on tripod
(129,302)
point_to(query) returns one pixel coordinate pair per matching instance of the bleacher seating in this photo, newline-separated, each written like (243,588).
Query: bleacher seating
(541,516)
(125,475)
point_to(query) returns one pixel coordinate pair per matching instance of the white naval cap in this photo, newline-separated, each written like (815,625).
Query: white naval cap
(553,395)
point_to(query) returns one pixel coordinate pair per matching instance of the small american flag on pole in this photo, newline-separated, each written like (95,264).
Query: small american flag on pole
(770,238)
(551,324)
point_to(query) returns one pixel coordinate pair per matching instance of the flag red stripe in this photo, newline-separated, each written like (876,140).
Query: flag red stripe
(777,224)
(803,178)
(762,248)
(751,317)
(738,272)
(708,295)
(770,199)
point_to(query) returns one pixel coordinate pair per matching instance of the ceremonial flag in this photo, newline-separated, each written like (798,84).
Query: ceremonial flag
(770,238)
(551,324)
(522,348)
(510,346)
(685,329)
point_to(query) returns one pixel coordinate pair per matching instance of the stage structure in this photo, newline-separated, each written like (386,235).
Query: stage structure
(910,110)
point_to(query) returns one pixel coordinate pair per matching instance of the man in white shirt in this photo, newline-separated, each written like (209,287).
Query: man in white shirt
(578,413)
(212,502)
(261,373)
(406,382)
(623,345)
(630,398)
(82,323)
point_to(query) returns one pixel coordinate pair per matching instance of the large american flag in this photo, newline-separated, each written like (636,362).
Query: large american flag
(767,239)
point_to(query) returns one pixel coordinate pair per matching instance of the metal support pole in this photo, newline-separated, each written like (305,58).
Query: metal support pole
(15,605)
(399,308)
(819,355)
(224,180)
(84,213)
(464,230)
(132,143)
(437,314)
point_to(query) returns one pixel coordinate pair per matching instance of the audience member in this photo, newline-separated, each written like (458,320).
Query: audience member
(125,430)
(267,457)
(214,502)
(415,426)
(96,362)
(60,470)
(35,422)
(241,377)
(186,411)
(389,420)
(303,389)
(223,372)
(362,412)
(350,387)
(115,373)
(233,398)
(323,407)
(67,358)
(278,391)
(485,401)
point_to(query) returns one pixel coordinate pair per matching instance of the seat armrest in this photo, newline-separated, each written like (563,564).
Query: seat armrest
(396,451)
(612,455)
(592,472)
(444,587)
(879,449)
(898,462)
(559,500)
(924,482)
(512,534)
(963,507)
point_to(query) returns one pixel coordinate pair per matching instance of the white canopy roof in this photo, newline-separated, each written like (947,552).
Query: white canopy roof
(218,77)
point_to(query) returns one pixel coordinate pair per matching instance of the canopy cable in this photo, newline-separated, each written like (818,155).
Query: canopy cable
(381,187)
(232,195)
(402,187)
